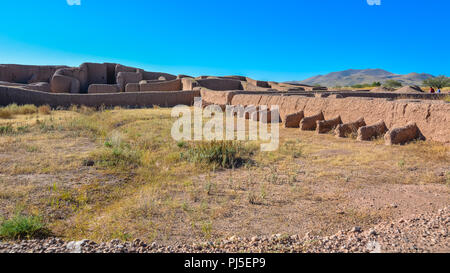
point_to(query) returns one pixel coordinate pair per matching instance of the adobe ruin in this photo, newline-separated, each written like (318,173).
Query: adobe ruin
(111,84)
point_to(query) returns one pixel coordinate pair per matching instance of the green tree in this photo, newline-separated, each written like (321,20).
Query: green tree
(437,82)
(392,84)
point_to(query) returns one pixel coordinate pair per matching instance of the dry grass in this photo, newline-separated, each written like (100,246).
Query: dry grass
(118,174)
(26,109)
(13,110)
(5,114)
(44,110)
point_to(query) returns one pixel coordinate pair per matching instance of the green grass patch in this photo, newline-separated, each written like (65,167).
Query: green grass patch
(6,130)
(23,227)
(225,154)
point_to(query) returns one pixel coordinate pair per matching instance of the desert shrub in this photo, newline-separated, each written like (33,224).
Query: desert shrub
(225,154)
(23,129)
(117,153)
(46,127)
(392,84)
(121,157)
(26,109)
(44,110)
(438,82)
(73,108)
(14,109)
(365,85)
(6,129)
(85,110)
(5,114)
(21,226)
(447,98)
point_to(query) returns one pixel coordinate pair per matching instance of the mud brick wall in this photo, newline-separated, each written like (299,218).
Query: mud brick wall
(431,116)
(10,95)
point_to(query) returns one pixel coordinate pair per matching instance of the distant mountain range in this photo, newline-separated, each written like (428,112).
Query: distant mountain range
(360,76)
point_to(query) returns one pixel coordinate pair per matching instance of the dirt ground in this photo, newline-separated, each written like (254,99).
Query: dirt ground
(314,184)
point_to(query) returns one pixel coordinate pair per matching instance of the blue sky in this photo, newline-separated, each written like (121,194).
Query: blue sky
(269,40)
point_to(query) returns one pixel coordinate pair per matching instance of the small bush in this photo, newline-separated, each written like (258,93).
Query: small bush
(14,109)
(118,157)
(82,109)
(22,226)
(225,154)
(392,84)
(5,114)
(6,130)
(181,144)
(21,109)
(44,110)
(118,153)
(366,85)
(27,109)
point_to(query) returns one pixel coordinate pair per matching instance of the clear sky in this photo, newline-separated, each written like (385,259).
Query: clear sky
(269,40)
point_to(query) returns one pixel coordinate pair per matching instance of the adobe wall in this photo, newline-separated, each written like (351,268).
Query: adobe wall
(250,87)
(17,95)
(155,75)
(103,88)
(257,83)
(124,78)
(366,94)
(216,97)
(71,79)
(25,74)
(97,73)
(220,84)
(172,85)
(188,83)
(285,87)
(123,68)
(432,117)
(38,86)
(111,73)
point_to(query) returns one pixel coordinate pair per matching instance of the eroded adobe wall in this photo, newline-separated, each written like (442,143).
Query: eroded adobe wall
(431,116)
(146,75)
(97,73)
(25,74)
(172,85)
(216,97)
(10,95)
(220,84)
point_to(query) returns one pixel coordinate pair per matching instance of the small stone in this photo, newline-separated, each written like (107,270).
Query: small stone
(356,229)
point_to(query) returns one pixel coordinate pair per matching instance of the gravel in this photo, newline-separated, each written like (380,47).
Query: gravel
(423,233)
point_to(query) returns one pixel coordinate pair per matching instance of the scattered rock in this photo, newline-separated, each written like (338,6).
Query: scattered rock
(423,233)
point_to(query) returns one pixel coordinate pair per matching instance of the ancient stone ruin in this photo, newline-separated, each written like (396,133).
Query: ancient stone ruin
(94,78)
(402,135)
(349,129)
(399,116)
(370,132)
